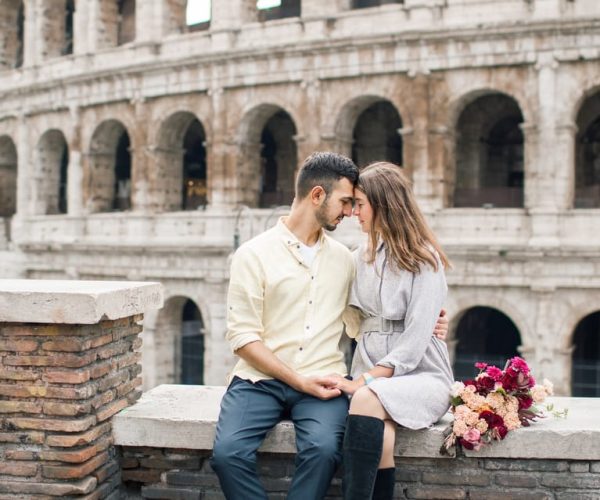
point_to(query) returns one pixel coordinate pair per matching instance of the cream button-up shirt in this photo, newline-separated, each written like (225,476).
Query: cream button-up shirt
(296,310)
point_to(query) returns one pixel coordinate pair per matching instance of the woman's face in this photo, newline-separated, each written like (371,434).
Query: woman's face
(363,210)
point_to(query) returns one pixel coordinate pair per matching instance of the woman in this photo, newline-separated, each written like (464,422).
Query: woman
(401,373)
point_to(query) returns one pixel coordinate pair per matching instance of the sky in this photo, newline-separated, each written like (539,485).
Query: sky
(198,11)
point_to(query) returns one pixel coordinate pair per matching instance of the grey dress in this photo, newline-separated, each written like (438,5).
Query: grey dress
(399,310)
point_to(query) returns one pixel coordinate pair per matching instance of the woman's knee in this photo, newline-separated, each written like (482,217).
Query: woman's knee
(365,402)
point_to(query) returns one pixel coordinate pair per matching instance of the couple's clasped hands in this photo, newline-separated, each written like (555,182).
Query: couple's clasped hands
(330,386)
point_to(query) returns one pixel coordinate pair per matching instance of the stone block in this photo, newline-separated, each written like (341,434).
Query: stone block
(579,467)
(18,374)
(16,345)
(74,471)
(66,409)
(141,475)
(576,495)
(54,489)
(433,493)
(171,493)
(20,407)
(25,469)
(528,465)
(66,376)
(516,480)
(190,478)
(164,463)
(512,494)
(572,480)
(67,344)
(70,440)
(32,437)
(76,456)
(47,424)
(456,478)
(105,412)
(595,467)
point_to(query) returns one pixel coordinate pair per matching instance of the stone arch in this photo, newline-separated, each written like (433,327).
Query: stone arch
(585,371)
(56,27)
(8,176)
(587,152)
(368,129)
(179,327)
(489,151)
(12,34)
(108,171)
(485,334)
(181,162)
(126,21)
(51,160)
(269,155)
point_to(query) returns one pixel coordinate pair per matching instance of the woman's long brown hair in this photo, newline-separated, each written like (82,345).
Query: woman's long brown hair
(398,220)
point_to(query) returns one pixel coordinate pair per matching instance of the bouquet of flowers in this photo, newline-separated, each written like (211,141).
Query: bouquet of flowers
(494,403)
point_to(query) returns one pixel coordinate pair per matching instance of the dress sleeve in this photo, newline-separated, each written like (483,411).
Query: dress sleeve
(426,300)
(245,299)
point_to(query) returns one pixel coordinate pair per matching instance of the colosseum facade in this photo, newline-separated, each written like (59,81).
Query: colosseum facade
(135,146)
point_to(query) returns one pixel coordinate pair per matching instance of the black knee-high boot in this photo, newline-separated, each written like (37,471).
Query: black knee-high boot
(384,484)
(363,444)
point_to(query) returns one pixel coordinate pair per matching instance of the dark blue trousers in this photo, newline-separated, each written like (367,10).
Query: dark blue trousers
(249,410)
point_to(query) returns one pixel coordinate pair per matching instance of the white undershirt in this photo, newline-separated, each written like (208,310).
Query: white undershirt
(309,253)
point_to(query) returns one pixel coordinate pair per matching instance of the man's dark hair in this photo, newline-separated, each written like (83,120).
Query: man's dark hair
(324,169)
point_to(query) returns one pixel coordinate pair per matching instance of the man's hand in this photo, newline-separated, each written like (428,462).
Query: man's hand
(320,387)
(441,327)
(348,386)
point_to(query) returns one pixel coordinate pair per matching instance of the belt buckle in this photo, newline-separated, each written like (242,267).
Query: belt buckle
(389,325)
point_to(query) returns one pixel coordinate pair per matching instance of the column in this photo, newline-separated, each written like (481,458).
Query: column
(232,14)
(75,168)
(70,362)
(318,8)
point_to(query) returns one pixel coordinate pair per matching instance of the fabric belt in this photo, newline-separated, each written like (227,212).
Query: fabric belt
(381,325)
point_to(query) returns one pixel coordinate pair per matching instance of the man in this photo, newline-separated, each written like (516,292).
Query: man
(287,293)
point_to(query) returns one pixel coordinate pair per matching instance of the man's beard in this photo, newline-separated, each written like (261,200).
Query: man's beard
(321,217)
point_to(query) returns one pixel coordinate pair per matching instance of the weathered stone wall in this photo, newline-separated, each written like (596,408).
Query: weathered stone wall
(186,474)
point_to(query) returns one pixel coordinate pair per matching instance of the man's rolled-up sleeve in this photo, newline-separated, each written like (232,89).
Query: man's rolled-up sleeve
(245,299)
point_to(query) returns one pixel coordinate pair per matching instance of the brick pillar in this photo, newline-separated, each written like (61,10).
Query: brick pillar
(69,360)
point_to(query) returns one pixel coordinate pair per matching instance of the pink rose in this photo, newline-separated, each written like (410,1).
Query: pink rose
(472,436)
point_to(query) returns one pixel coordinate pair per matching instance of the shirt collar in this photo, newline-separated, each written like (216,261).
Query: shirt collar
(289,238)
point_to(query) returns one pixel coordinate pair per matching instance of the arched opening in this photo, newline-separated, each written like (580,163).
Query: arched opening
(181,158)
(51,163)
(489,153)
(192,345)
(363,4)
(486,335)
(587,154)
(197,14)
(278,161)
(269,10)
(125,21)
(68,35)
(8,177)
(179,343)
(12,29)
(109,168)
(586,357)
(269,156)
(376,135)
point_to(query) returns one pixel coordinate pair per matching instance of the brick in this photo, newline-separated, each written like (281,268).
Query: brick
(128,386)
(23,469)
(70,425)
(107,470)
(579,467)
(407,476)
(74,471)
(22,391)
(67,409)
(15,345)
(503,494)
(112,380)
(66,376)
(570,480)
(112,350)
(170,493)
(79,392)
(595,467)
(62,360)
(18,454)
(20,407)
(107,491)
(135,370)
(129,359)
(109,410)
(103,399)
(68,441)
(137,343)
(576,495)
(69,344)
(54,489)
(100,369)
(129,463)
(517,480)
(435,493)
(18,374)
(141,475)
(33,437)
(133,396)
(101,340)
(164,463)
(528,465)
(76,456)
(456,478)
(48,330)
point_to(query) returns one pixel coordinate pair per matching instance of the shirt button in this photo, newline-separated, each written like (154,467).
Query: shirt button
(310,301)
(308,327)
(300,348)
(312,277)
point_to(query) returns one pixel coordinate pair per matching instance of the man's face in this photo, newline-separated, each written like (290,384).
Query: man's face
(337,205)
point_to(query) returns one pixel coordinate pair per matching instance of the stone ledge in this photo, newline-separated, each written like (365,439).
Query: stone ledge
(178,416)
(75,302)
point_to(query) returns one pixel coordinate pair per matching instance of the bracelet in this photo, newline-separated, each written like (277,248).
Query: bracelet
(368,378)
